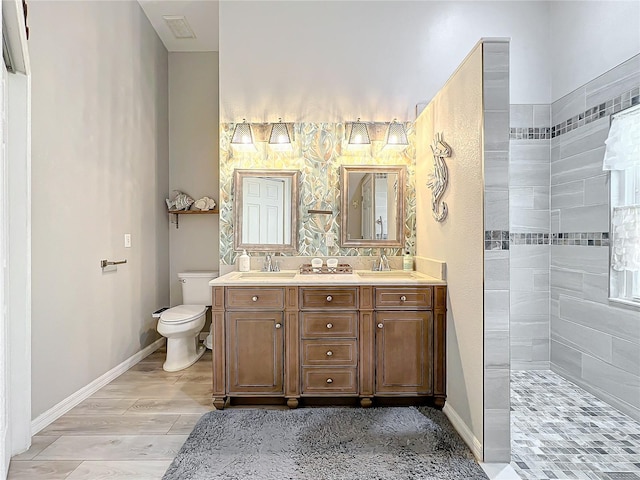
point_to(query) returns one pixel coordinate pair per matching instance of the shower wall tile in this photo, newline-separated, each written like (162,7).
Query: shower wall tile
(568,106)
(496,438)
(541,115)
(596,190)
(621,79)
(578,167)
(626,355)
(582,338)
(497,269)
(594,342)
(496,213)
(602,319)
(533,221)
(530,256)
(496,168)
(495,355)
(589,260)
(566,195)
(528,174)
(612,380)
(521,116)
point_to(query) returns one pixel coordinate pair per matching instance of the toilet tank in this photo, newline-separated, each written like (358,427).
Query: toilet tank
(195,287)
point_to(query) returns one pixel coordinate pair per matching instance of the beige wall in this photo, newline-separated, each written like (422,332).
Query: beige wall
(193,160)
(456,112)
(99,169)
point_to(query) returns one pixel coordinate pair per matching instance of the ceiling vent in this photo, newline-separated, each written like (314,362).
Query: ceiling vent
(179,26)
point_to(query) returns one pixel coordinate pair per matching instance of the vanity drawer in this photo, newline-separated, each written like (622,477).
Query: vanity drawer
(252,298)
(334,324)
(403,297)
(328,297)
(329,380)
(329,352)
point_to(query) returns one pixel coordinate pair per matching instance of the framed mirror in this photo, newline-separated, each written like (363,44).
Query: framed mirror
(372,206)
(265,210)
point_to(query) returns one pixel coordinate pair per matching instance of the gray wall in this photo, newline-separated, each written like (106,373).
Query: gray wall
(594,342)
(100,169)
(193,160)
(529,236)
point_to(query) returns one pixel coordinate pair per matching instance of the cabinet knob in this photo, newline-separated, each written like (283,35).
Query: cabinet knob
(278,325)
(329,380)
(329,325)
(254,298)
(403,298)
(329,353)
(380,325)
(329,298)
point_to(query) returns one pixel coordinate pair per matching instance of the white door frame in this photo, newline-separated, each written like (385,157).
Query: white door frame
(16,231)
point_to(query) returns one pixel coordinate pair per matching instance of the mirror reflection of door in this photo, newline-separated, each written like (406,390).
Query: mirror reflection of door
(263,210)
(367,206)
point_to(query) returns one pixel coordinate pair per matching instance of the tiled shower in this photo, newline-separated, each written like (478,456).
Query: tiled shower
(568,341)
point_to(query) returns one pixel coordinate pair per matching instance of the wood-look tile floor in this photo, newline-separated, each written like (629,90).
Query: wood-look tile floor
(130,429)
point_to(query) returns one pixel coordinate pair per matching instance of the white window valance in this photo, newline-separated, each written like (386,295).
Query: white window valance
(625,250)
(623,143)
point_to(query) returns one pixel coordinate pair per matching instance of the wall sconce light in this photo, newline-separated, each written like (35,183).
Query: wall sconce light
(396,135)
(279,137)
(359,134)
(242,134)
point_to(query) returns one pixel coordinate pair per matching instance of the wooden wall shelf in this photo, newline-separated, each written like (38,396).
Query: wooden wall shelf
(177,213)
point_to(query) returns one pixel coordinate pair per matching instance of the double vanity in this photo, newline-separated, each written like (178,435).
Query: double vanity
(362,335)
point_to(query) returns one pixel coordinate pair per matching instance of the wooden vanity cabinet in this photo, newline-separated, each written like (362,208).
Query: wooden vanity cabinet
(325,341)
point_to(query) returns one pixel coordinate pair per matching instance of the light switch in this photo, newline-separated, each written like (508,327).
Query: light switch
(329,239)
(127,240)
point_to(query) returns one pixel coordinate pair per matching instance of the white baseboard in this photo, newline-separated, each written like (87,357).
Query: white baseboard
(464,431)
(85,392)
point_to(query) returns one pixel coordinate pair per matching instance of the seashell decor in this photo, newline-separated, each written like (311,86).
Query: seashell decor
(181,201)
(205,203)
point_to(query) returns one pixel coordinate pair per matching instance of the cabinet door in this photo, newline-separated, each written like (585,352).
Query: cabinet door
(255,353)
(404,352)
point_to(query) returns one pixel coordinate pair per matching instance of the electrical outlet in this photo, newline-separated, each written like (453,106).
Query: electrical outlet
(329,239)
(127,240)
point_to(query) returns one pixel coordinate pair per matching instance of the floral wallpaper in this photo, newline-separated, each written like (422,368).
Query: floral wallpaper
(319,149)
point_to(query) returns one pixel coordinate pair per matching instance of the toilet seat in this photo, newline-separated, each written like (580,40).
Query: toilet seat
(182,314)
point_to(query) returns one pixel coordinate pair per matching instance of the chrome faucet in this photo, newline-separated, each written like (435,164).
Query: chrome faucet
(270,265)
(382,263)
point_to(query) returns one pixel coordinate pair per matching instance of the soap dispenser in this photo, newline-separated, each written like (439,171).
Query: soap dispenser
(244,262)
(407,261)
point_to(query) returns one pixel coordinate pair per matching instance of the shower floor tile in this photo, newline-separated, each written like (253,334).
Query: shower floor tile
(559,431)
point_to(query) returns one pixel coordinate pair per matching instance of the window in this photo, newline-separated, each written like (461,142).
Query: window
(622,157)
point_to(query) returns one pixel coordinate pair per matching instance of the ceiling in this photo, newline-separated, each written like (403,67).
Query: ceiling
(202,16)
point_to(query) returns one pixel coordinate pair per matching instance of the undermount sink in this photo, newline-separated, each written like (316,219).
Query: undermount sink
(387,273)
(268,274)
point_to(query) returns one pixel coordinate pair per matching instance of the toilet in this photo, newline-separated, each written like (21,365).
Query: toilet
(181,325)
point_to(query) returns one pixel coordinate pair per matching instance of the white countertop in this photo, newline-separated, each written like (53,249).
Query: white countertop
(293,277)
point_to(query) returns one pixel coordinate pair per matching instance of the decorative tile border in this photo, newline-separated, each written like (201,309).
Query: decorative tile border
(529,238)
(496,240)
(501,239)
(626,100)
(614,105)
(541,133)
(585,239)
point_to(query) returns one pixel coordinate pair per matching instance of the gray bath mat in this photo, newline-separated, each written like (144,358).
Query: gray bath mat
(324,444)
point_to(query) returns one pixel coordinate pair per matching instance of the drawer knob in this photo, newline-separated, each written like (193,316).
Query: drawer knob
(329,325)
(329,298)
(254,298)
(329,380)
(278,325)
(329,353)
(403,298)
(380,325)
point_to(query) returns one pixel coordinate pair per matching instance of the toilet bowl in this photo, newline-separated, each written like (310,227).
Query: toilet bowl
(181,325)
